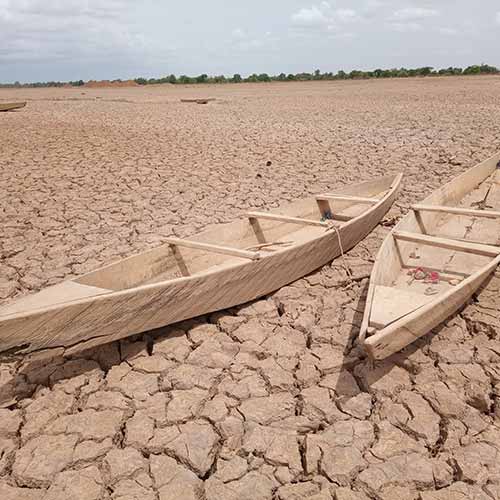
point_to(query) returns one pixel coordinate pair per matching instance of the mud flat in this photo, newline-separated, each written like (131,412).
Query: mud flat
(272,399)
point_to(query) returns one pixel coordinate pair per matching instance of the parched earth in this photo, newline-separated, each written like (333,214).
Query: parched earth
(273,399)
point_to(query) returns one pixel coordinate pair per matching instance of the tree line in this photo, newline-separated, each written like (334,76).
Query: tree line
(425,71)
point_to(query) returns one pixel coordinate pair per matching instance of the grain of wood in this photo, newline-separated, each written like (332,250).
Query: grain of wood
(455,210)
(337,197)
(285,218)
(245,254)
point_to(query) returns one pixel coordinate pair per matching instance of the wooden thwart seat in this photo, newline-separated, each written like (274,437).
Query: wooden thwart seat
(235,252)
(456,210)
(448,243)
(285,218)
(341,197)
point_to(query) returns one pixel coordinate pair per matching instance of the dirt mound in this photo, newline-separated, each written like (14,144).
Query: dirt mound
(112,84)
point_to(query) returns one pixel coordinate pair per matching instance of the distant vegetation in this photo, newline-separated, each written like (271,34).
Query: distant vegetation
(426,71)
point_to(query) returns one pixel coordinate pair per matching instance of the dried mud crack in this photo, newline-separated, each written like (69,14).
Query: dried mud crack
(274,399)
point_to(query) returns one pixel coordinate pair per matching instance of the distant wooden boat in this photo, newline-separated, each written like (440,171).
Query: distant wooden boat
(434,260)
(219,268)
(9,106)
(199,101)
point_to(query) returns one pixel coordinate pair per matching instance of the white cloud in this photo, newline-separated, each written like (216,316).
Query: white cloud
(67,30)
(346,15)
(239,34)
(324,17)
(407,27)
(310,17)
(374,4)
(413,14)
(410,19)
(447,31)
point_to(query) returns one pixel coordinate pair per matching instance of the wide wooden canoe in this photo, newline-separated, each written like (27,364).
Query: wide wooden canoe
(219,268)
(434,260)
(9,106)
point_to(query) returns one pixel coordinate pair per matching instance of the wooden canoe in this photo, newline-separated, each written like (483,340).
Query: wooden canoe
(219,268)
(9,106)
(199,101)
(434,260)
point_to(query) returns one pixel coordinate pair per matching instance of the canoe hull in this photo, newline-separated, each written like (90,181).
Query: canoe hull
(86,323)
(9,106)
(422,320)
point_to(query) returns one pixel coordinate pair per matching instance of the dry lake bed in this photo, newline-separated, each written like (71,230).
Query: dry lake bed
(273,399)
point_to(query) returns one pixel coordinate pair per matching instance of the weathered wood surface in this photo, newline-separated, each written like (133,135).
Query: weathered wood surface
(235,252)
(358,199)
(455,251)
(449,244)
(9,106)
(163,286)
(455,210)
(285,218)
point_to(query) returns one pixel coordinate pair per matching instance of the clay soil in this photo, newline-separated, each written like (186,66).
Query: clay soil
(270,400)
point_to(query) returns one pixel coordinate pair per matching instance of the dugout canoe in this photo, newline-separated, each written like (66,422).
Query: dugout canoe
(434,260)
(9,106)
(199,101)
(224,266)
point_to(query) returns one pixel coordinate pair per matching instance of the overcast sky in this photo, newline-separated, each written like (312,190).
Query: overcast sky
(107,39)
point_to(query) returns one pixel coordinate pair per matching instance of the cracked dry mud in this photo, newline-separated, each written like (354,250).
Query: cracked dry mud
(273,399)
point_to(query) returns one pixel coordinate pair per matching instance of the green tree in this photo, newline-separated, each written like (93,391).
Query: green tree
(236,78)
(202,78)
(425,71)
(219,79)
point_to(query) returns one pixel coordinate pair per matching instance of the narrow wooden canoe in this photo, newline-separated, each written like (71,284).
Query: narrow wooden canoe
(9,106)
(434,260)
(222,267)
(199,101)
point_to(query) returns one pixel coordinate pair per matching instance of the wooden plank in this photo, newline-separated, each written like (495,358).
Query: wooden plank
(235,252)
(285,218)
(341,197)
(461,246)
(456,210)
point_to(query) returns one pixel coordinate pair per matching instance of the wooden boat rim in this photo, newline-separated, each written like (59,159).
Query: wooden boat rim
(396,182)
